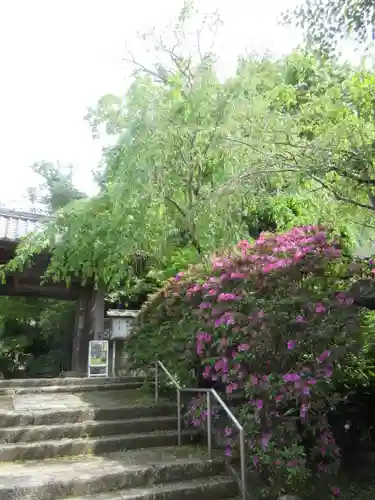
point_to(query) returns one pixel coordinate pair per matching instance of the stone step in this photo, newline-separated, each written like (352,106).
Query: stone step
(32,433)
(213,488)
(71,381)
(91,475)
(73,415)
(95,446)
(56,389)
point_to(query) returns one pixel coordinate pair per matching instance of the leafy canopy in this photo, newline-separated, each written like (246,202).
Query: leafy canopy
(199,160)
(326,22)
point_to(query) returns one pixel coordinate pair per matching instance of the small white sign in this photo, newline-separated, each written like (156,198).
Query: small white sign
(121,327)
(98,358)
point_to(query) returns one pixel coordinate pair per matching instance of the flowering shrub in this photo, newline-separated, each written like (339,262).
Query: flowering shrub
(274,320)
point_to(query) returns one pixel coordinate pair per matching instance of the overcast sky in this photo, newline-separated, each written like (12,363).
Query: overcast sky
(59,57)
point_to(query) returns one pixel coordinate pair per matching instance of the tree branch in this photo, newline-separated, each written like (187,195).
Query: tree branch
(193,238)
(150,72)
(339,197)
(336,195)
(360,180)
(179,61)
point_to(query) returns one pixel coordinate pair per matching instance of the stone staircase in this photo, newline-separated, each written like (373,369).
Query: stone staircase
(99,439)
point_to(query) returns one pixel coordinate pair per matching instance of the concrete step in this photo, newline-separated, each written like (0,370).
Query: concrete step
(72,389)
(71,381)
(91,475)
(74,415)
(91,428)
(212,488)
(95,446)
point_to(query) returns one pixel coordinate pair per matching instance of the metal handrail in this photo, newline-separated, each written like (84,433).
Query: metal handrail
(209,393)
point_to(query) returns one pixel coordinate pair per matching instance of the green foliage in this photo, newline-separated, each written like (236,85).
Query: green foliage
(200,163)
(325,22)
(57,189)
(273,320)
(35,335)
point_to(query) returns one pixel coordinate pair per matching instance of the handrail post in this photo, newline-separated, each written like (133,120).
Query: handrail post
(243,464)
(156,383)
(209,425)
(179,416)
(209,393)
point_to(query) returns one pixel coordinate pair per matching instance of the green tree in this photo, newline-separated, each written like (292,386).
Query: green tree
(326,22)
(322,137)
(57,188)
(200,163)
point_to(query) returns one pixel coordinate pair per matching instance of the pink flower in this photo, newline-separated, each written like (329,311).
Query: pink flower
(253,380)
(335,491)
(205,305)
(344,299)
(218,364)
(319,308)
(238,275)
(328,372)
(326,354)
(300,319)
(291,377)
(230,388)
(303,410)
(259,404)
(244,244)
(255,460)
(225,319)
(204,337)
(199,348)
(291,344)
(227,297)
(243,347)
(264,440)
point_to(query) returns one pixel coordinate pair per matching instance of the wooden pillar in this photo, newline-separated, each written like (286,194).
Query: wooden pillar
(97,314)
(79,327)
(89,326)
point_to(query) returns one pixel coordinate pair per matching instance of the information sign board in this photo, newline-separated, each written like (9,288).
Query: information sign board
(98,358)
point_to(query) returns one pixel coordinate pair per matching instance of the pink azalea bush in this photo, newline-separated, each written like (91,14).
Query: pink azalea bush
(273,320)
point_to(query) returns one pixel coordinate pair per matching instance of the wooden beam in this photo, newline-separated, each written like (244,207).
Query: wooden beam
(27,282)
(29,288)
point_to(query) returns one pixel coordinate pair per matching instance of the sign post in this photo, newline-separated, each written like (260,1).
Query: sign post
(121,326)
(98,358)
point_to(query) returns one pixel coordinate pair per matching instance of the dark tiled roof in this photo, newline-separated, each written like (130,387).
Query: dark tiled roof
(15,225)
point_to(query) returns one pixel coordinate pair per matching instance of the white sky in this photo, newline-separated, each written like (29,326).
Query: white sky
(57,57)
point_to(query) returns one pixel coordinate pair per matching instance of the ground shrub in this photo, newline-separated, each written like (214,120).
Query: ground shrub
(273,320)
